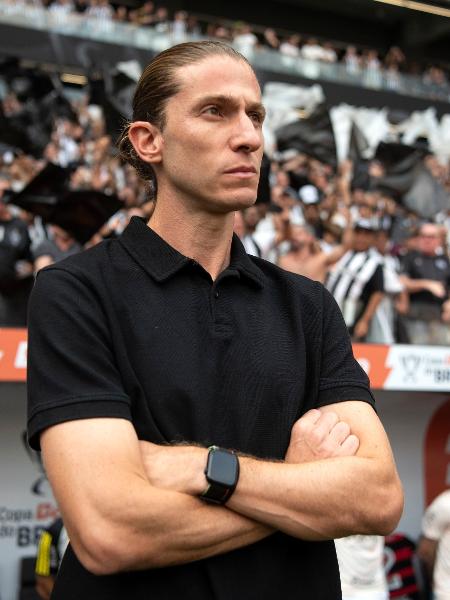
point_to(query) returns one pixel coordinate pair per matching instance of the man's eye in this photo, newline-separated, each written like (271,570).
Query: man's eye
(256,117)
(212,110)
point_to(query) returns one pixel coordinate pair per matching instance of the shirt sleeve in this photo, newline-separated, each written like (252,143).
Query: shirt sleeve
(341,376)
(437,517)
(377,280)
(72,372)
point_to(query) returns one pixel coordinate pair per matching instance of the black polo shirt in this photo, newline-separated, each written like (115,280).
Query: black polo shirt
(135,330)
(417,265)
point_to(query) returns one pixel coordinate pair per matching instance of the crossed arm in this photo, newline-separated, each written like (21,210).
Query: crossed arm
(338,478)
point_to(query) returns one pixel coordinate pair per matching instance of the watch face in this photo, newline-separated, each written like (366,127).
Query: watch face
(222,468)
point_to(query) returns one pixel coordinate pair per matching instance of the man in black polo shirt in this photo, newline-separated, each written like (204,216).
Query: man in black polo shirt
(147,350)
(427,279)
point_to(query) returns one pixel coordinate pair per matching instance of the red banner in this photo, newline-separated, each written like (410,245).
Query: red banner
(13,354)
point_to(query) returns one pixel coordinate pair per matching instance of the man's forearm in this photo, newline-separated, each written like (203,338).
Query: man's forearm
(415,285)
(372,306)
(309,496)
(318,500)
(108,500)
(188,529)
(164,528)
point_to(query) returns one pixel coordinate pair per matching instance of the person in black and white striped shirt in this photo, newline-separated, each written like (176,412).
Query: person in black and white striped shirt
(356,281)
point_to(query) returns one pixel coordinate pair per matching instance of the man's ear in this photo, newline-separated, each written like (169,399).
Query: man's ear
(147,141)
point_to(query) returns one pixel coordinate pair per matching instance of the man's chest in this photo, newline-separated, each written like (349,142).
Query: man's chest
(431,267)
(207,367)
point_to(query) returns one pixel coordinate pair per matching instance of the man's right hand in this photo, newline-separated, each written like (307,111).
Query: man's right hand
(318,435)
(436,288)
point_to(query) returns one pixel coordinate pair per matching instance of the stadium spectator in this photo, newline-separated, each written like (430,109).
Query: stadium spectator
(240,229)
(59,245)
(310,202)
(352,60)
(251,217)
(145,15)
(356,281)
(51,547)
(329,53)
(360,559)
(121,14)
(372,68)
(403,568)
(395,58)
(179,27)
(306,257)
(271,39)
(272,230)
(161,21)
(101,10)
(219,32)
(291,46)
(383,326)
(312,50)
(193,26)
(244,40)
(426,276)
(434,546)
(15,267)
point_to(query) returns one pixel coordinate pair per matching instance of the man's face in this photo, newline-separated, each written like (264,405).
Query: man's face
(311,212)
(212,140)
(300,236)
(363,239)
(429,239)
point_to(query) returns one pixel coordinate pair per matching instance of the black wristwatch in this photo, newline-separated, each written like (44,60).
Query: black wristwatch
(222,474)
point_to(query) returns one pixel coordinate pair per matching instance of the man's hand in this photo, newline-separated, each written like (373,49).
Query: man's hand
(317,435)
(436,288)
(361,329)
(445,314)
(176,468)
(402,303)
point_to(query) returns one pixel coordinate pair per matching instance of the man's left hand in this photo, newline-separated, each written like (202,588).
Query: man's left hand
(361,329)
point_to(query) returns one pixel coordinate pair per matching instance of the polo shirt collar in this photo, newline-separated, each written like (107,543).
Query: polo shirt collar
(161,261)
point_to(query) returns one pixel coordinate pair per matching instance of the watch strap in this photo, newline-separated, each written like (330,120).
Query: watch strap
(217,493)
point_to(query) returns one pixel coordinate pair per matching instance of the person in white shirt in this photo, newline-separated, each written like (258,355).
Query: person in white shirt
(360,559)
(245,41)
(290,46)
(434,546)
(312,50)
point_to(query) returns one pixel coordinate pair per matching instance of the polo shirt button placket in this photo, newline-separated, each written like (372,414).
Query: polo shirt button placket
(216,294)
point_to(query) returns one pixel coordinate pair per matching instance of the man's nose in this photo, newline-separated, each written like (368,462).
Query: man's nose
(246,136)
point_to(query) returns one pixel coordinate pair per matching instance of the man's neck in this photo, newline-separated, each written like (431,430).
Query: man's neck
(204,237)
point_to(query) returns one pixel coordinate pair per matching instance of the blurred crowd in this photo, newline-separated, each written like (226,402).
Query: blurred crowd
(387,267)
(377,68)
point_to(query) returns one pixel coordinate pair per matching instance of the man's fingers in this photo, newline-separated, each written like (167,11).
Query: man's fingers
(340,433)
(314,425)
(310,418)
(349,447)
